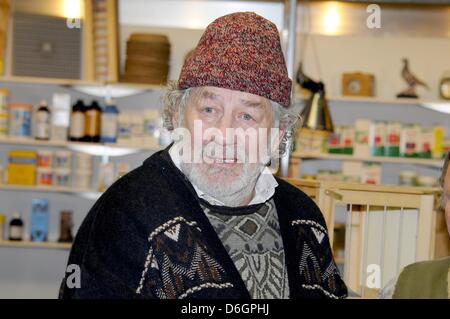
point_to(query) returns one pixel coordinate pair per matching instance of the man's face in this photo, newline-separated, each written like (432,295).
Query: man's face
(222,109)
(446,198)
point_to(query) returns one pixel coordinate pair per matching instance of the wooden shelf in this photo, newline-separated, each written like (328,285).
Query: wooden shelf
(31,244)
(378,159)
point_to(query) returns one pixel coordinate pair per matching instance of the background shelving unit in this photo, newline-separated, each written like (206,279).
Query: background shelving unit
(47,189)
(34,245)
(377,159)
(183,37)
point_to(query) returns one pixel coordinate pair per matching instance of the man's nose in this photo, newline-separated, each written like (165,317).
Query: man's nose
(226,127)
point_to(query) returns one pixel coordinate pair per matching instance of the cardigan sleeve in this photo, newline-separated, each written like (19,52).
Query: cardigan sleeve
(108,251)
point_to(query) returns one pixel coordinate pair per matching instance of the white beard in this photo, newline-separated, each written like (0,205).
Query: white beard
(232,194)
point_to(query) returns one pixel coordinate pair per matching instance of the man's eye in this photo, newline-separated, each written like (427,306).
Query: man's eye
(208,109)
(247,117)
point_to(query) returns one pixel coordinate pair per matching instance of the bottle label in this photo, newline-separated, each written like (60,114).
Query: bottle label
(109,126)
(15,232)
(42,125)
(77,125)
(92,123)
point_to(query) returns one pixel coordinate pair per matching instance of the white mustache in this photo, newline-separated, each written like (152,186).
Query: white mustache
(224,153)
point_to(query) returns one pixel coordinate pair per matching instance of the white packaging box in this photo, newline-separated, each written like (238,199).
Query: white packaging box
(361,142)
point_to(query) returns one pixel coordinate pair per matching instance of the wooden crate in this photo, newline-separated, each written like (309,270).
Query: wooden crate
(4,21)
(389,226)
(100,39)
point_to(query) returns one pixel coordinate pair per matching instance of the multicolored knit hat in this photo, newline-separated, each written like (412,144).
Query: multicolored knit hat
(242,52)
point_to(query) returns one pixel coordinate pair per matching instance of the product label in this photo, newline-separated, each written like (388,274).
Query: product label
(20,122)
(15,232)
(42,125)
(77,125)
(109,125)
(92,123)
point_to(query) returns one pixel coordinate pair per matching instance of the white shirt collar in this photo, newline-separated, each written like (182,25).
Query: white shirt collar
(264,187)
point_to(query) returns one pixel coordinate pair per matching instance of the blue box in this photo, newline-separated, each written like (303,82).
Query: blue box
(39,219)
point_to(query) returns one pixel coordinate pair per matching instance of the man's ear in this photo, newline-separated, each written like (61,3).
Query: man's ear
(276,143)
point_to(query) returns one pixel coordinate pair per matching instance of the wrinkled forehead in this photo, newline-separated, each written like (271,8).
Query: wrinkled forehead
(227,96)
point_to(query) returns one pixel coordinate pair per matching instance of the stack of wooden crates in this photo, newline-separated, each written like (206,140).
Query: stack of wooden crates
(147,59)
(4,20)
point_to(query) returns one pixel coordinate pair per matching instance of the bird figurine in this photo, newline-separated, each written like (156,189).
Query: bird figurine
(412,82)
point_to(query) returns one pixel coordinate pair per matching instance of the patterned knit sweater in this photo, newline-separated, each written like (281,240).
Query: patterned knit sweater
(253,241)
(148,237)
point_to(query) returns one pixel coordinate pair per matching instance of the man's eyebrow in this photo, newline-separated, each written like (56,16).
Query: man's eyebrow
(210,95)
(254,104)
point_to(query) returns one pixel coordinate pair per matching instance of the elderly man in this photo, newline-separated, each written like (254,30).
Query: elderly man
(426,279)
(200,219)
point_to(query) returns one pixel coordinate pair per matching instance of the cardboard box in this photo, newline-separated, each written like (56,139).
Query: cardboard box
(22,167)
(39,219)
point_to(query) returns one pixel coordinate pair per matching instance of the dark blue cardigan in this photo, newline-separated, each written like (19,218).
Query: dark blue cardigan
(147,237)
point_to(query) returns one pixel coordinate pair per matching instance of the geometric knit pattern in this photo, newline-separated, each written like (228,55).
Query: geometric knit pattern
(318,272)
(254,243)
(177,258)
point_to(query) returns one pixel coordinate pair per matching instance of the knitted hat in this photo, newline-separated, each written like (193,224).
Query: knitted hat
(242,52)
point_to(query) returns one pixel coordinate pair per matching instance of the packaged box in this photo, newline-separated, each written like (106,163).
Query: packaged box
(377,138)
(106,176)
(371,173)
(151,127)
(352,171)
(361,142)
(408,178)
(393,132)
(311,141)
(124,128)
(22,167)
(335,141)
(39,219)
(347,141)
(438,140)
(425,143)
(137,129)
(409,140)
(60,116)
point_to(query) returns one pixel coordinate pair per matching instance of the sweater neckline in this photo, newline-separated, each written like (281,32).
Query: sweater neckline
(226,210)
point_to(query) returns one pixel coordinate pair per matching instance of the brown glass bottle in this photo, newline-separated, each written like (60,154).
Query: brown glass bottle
(92,128)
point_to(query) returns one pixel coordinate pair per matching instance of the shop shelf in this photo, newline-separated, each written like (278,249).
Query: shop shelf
(31,244)
(95,88)
(442,106)
(379,159)
(89,193)
(96,149)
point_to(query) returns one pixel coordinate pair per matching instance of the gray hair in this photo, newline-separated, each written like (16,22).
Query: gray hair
(176,100)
